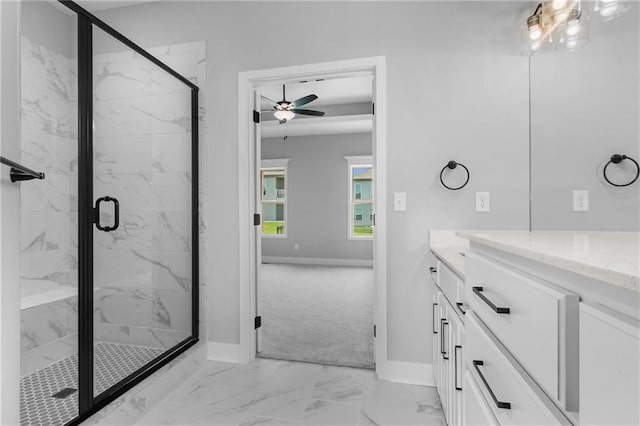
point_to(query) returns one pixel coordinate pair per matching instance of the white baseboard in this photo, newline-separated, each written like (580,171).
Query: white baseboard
(317,261)
(411,373)
(224,352)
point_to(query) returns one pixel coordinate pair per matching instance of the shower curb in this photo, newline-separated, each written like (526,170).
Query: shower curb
(134,404)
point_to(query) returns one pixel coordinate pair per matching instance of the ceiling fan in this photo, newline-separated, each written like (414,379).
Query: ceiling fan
(285,110)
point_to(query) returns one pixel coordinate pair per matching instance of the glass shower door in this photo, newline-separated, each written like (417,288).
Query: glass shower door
(142,190)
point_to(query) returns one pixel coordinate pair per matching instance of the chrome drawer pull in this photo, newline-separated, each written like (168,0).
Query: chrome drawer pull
(499,404)
(459,305)
(435,330)
(498,310)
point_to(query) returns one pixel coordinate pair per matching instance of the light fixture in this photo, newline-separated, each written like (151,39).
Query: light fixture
(559,4)
(611,9)
(562,24)
(284,115)
(572,26)
(533,25)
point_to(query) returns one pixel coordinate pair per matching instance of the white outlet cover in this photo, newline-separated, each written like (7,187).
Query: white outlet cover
(482,202)
(581,201)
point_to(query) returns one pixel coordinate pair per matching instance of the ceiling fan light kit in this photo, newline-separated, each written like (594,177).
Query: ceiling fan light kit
(284,110)
(564,24)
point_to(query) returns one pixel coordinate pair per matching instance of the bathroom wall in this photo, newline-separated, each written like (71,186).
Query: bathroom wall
(317,196)
(585,106)
(457,89)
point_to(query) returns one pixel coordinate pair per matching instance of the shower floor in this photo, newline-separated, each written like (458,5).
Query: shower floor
(113,362)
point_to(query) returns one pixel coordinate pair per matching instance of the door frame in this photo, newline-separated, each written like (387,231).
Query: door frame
(248,82)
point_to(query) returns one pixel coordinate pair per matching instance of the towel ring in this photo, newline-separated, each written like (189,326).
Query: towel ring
(617,159)
(452,165)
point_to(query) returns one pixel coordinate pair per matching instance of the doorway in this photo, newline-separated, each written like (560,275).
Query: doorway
(315,286)
(251,250)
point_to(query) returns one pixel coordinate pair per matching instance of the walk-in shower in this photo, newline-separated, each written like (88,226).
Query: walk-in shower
(109,237)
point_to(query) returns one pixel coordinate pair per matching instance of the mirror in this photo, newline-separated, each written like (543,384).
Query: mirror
(584,109)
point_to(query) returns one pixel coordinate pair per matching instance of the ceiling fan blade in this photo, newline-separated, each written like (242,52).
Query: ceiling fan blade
(269,100)
(305,100)
(309,112)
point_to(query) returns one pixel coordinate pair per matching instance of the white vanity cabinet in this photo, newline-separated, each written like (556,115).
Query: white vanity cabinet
(448,342)
(609,367)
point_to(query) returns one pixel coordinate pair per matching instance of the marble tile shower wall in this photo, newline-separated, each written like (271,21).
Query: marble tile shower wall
(142,151)
(142,157)
(48,244)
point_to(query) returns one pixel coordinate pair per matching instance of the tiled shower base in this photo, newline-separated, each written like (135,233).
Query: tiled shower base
(113,362)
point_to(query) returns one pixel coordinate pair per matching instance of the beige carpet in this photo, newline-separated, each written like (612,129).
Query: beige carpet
(321,314)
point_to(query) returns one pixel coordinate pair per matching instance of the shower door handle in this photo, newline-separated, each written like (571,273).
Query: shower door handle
(116,213)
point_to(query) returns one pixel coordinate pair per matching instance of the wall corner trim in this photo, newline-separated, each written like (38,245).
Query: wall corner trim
(225,352)
(411,373)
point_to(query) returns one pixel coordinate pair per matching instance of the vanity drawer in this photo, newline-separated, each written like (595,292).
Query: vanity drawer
(448,282)
(536,322)
(513,396)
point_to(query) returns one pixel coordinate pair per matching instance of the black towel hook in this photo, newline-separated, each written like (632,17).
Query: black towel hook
(452,165)
(617,159)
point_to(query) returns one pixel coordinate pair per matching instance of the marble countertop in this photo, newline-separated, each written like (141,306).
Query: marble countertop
(611,257)
(452,257)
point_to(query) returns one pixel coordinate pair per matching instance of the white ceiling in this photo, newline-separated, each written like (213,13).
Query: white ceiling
(330,92)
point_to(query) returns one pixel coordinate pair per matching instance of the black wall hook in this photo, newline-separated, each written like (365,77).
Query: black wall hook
(452,165)
(617,159)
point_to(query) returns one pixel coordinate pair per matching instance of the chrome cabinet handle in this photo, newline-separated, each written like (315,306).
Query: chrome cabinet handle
(455,367)
(499,404)
(116,210)
(498,310)
(459,305)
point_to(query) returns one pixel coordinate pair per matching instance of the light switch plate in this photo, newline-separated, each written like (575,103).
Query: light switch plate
(400,201)
(581,201)
(482,202)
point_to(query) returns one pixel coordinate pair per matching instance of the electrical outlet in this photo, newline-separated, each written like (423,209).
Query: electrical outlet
(581,201)
(482,202)
(296,246)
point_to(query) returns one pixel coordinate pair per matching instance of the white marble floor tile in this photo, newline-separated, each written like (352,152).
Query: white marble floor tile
(220,399)
(319,412)
(394,403)
(188,415)
(251,420)
(269,392)
(287,405)
(340,384)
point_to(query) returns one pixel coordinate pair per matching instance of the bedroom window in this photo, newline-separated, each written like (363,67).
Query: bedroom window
(273,178)
(360,181)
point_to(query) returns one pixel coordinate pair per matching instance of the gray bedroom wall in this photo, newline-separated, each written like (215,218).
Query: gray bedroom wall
(584,108)
(317,196)
(457,89)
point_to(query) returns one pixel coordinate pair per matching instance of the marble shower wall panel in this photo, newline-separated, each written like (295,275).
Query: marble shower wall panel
(48,322)
(142,152)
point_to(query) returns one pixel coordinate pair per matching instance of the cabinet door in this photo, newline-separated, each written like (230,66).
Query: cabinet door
(609,370)
(456,341)
(476,410)
(435,316)
(444,352)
